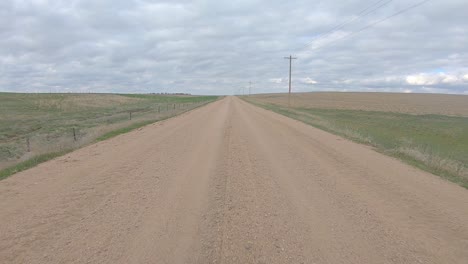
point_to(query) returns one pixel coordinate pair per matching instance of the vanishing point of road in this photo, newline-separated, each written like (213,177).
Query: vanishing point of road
(230,183)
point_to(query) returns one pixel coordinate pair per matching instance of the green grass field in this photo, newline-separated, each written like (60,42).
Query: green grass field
(435,143)
(47,121)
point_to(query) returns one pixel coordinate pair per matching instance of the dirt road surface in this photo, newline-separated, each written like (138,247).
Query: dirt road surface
(230,183)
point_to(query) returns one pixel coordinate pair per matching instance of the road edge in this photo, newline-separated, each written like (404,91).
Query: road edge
(41,158)
(407,160)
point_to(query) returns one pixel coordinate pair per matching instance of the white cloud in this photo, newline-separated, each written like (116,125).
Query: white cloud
(435,79)
(275,80)
(421,79)
(450,79)
(308,81)
(211,46)
(346,81)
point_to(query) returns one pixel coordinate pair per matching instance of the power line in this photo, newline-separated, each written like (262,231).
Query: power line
(375,23)
(363,12)
(366,11)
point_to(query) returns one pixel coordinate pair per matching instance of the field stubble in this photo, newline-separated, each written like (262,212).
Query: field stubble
(417,104)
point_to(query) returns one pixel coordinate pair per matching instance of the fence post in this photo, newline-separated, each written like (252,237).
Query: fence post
(174,106)
(159,109)
(130,113)
(74,134)
(28,144)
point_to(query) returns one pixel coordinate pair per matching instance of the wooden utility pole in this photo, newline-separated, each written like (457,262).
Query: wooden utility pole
(290,58)
(28,144)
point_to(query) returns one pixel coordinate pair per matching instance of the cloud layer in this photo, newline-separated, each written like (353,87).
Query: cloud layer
(217,47)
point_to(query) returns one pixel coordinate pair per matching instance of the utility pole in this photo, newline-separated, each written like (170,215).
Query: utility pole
(290,58)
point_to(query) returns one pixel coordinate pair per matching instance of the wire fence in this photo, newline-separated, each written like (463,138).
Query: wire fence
(81,131)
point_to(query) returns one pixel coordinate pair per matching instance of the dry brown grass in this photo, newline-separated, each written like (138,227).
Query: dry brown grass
(48,143)
(47,121)
(452,105)
(72,102)
(435,161)
(429,131)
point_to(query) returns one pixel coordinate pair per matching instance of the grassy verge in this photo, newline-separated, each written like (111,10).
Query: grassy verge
(127,129)
(434,143)
(124,130)
(63,119)
(37,159)
(32,162)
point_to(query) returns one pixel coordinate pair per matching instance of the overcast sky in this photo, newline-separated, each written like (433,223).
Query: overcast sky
(217,47)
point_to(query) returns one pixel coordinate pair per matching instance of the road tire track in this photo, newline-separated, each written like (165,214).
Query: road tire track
(230,183)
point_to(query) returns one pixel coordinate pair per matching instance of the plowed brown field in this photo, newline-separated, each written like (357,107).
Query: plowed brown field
(442,104)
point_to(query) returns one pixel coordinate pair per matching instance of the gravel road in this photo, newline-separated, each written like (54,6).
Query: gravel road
(230,183)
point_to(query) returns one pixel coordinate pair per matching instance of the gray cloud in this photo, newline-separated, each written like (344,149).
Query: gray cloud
(217,47)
